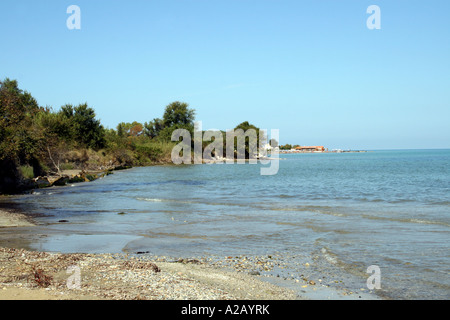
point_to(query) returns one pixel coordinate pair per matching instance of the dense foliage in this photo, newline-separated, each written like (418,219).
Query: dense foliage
(36,140)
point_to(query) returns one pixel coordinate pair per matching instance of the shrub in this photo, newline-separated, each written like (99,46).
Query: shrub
(26,171)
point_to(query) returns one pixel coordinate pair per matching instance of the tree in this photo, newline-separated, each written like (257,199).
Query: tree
(17,139)
(126,129)
(19,143)
(286,147)
(153,128)
(55,125)
(251,147)
(177,115)
(86,129)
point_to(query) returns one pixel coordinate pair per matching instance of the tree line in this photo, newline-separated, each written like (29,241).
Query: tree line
(37,140)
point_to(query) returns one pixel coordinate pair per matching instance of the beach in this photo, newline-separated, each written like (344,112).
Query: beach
(36,275)
(120,276)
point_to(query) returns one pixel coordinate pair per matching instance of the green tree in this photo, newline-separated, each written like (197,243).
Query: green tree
(177,115)
(87,130)
(153,128)
(126,129)
(53,124)
(250,148)
(17,139)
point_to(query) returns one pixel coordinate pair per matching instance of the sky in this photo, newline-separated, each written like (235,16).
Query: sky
(311,69)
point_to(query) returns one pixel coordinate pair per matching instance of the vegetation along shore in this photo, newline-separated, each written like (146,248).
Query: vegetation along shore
(41,147)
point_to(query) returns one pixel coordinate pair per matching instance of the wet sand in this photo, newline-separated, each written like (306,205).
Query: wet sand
(10,219)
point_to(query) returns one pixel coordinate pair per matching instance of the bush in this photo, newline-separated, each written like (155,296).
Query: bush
(26,171)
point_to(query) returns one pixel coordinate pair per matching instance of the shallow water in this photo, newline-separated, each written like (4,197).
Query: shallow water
(341,212)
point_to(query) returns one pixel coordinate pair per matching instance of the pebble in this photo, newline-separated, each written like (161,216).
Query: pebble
(109,270)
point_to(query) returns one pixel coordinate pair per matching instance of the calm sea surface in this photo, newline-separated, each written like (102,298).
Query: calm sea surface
(342,212)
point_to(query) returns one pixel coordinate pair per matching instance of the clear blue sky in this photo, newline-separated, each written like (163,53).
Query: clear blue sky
(311,69)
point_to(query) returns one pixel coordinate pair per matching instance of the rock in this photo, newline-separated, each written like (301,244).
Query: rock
(76,178)
(42,182)
(90,177)
(58,180)
(185,261)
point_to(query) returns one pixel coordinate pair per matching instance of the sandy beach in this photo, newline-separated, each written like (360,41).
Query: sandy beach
(120,276)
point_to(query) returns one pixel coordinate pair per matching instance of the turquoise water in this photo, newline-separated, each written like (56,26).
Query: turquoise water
(341,212)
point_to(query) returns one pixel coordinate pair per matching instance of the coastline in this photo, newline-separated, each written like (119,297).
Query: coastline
(140,277)
(130,277)
(121,276)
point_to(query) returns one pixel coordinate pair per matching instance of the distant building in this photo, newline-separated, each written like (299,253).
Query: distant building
(311,149)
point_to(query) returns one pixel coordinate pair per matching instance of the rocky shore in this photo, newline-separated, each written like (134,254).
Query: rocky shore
(65,177)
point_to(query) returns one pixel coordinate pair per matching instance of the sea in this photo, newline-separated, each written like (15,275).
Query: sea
(341,214)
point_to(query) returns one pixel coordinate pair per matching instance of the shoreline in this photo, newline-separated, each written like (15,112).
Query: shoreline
(183,279)
(132,276)
(129,276)
(122,276)
(63,178)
